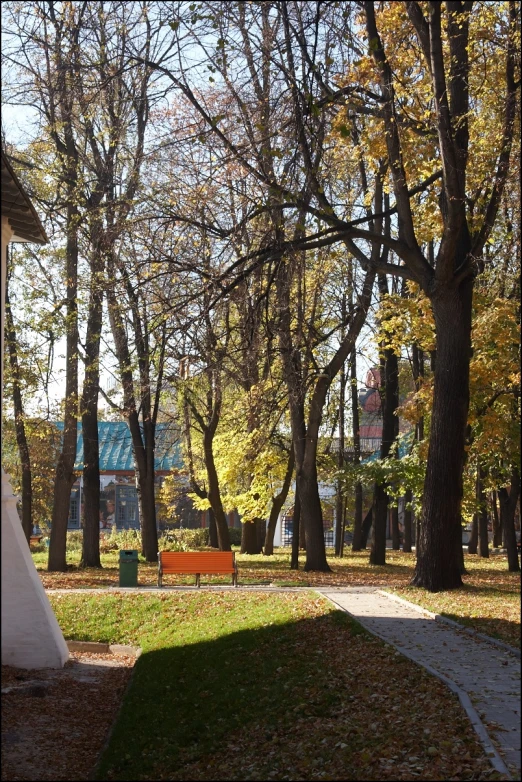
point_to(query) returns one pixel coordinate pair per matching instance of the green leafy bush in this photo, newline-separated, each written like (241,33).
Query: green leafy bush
(74,540)
(184,539)
(191,539)
(117,540)
(235,536)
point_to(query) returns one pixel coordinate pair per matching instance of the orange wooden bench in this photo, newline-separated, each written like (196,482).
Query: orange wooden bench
(197,562)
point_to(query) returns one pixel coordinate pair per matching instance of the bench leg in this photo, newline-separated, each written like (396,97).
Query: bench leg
(198,584)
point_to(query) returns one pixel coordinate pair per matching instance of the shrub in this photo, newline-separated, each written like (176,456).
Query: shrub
(235,536)
(120,539)
(184,539)
(191,539)
(74,540)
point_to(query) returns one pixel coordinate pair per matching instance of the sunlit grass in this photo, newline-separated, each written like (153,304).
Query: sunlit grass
(489,601)
(237,685)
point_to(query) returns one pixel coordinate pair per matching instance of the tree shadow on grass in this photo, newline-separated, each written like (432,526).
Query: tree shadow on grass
(185,701)
(306,695)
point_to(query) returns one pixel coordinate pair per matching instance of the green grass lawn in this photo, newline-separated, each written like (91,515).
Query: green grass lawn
(235,685)
(489,601)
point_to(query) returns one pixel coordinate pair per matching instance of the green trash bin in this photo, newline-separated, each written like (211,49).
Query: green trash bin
(129,568)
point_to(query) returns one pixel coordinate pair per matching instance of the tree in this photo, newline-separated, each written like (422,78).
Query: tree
(466,226)
(74,58)
(282,186)
(114,127)
(508,504)
(21,436)
(43,442)
(130,315)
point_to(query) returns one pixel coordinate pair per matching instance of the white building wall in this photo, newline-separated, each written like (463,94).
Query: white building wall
(326,491)
(31,636)
(278,534)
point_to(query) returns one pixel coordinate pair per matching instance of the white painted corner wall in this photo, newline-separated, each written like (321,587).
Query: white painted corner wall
(31,636)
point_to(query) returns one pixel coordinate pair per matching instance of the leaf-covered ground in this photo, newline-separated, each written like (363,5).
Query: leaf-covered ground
(238,686)
(55,722)
(489,601)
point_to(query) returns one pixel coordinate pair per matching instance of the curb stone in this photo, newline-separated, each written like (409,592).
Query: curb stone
(465,701)
(95,647)
(452,623)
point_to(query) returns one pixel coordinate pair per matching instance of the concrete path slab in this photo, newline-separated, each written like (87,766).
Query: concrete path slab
(489,675)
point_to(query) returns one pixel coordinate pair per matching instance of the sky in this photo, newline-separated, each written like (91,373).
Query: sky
(19,124)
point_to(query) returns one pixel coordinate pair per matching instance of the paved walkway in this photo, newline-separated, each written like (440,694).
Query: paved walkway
(489,675)
(485,677)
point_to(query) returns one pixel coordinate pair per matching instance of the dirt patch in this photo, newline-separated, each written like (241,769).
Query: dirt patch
(55,722)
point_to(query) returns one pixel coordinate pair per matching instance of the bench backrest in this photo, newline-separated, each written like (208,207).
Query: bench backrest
(198,561)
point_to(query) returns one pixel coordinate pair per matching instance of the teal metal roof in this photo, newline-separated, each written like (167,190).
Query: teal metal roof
(116,447)
(405,446)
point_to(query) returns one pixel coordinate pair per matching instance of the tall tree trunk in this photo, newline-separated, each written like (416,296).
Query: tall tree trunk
(473,538)
(142,442)
(196,488)
(460,549)
(417,534)
(311,515)
(497,527)
(340,457)
(358,492)
(380,512)
(302,537)
(305,431)
(212,530)
(296,532)
(89,408)
(147,508)
(343,530)
(143,449)
(438,566)
(21,439)
(406,544)
(338,519)
(249,537)
(396,537)
(214,495)
(277,505)
(390,429)
(305,450)
(483,543)
(508,505)
(65,475)
(149,527)
(418,375)
(357,543)
(366,527)
(261,533)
